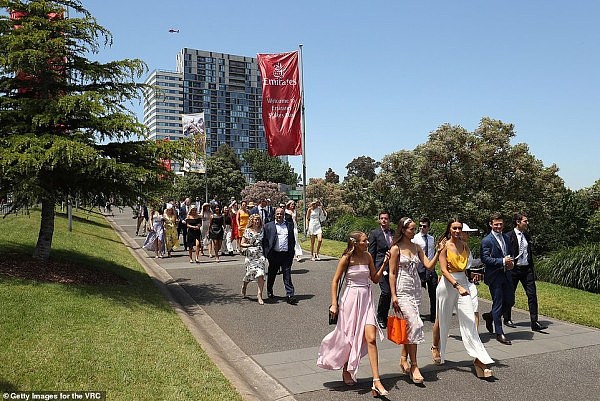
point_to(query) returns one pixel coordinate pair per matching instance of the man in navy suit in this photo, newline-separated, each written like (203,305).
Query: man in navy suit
(264,210)
(498,264)
(520,250)
(380,240)
(278,247)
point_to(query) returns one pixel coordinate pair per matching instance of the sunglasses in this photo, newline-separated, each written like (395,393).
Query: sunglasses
(423,226)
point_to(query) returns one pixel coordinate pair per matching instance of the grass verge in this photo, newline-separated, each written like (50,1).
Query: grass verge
(556,301)
(122,339)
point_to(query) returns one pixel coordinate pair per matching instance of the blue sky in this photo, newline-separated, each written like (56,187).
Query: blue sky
(381,75)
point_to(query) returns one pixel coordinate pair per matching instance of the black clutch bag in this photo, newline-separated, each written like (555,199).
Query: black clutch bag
(332,317)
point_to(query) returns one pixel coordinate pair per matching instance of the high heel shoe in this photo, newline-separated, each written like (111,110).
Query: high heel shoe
(416,380)
(378,392)
(348,379)
(435,355)
(405,370)
(482,372)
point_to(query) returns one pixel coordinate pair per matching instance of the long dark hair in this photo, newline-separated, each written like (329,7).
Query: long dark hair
(402,225)
(446,234)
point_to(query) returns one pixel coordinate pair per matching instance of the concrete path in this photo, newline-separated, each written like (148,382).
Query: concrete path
(269,351)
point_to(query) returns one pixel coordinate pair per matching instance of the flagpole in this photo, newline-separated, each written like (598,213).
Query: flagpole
(302,110)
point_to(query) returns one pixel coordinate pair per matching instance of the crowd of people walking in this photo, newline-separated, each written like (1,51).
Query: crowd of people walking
(266,236)
(401,261)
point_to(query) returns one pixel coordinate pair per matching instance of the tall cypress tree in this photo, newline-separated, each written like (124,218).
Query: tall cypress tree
(64,127)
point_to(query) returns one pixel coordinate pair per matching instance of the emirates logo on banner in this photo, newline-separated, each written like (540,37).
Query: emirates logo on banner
(281,103)
(278,70)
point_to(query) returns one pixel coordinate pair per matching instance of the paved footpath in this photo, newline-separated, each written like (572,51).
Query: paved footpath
(269,351)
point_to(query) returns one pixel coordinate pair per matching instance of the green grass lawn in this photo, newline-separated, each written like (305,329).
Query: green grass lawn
(564,303)
(122,339)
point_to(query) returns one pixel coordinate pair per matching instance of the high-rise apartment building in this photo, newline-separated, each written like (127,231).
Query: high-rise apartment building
(225,87)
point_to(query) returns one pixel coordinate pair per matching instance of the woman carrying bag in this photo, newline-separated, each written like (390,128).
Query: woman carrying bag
(405,285)
(355,333)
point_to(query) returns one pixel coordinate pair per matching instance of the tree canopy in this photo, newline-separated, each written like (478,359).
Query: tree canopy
(269,168)
(363,167)
(64,127)
(331,176)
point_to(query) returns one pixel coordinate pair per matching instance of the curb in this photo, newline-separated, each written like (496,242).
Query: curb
(249,379)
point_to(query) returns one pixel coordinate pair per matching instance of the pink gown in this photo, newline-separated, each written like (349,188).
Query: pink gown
(346,343)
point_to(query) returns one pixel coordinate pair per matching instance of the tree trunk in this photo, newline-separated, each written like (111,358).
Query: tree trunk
(44,242)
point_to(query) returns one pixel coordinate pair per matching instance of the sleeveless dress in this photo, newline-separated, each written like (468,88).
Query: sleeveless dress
(314,221)
(346,343)
(171,237)
(215,230)
(192,234)
(449,299)
(158,231)
(408,291)
(234,226)
(291,217)
(243,222)
(255,261)
(204,229)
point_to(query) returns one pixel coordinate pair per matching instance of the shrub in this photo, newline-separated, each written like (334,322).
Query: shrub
(577,267)
(340,229)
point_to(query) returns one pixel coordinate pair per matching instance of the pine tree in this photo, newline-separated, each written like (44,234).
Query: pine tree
(64,127)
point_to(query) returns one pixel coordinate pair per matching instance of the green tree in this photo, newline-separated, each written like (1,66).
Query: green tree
(363,166)
(225,177)
(330,195)
(360,195)
(395,184)
(64,129)
(472,174)
(269,168)
(332,177)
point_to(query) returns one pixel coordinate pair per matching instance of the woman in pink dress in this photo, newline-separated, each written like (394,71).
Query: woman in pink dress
(356,330)
(405,286)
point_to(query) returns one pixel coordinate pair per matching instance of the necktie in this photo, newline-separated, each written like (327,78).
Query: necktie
(426,250)
(388,237)
(502,244)
(521,245)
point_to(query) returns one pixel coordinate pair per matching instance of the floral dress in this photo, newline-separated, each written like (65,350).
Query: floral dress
(255,260)
(408,291)
(171,237)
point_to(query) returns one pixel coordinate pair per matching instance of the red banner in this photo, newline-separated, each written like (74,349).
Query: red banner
(281,103)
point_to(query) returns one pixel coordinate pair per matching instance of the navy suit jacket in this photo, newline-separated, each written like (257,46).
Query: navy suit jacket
(378,246)
(513,249)
(492,257)
(269,240)
(269,215)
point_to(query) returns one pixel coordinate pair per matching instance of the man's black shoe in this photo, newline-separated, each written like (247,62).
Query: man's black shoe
(509,323)
(536,326)
(270,295)
(489,323)
(503,339)
(382,324)
(291,300)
